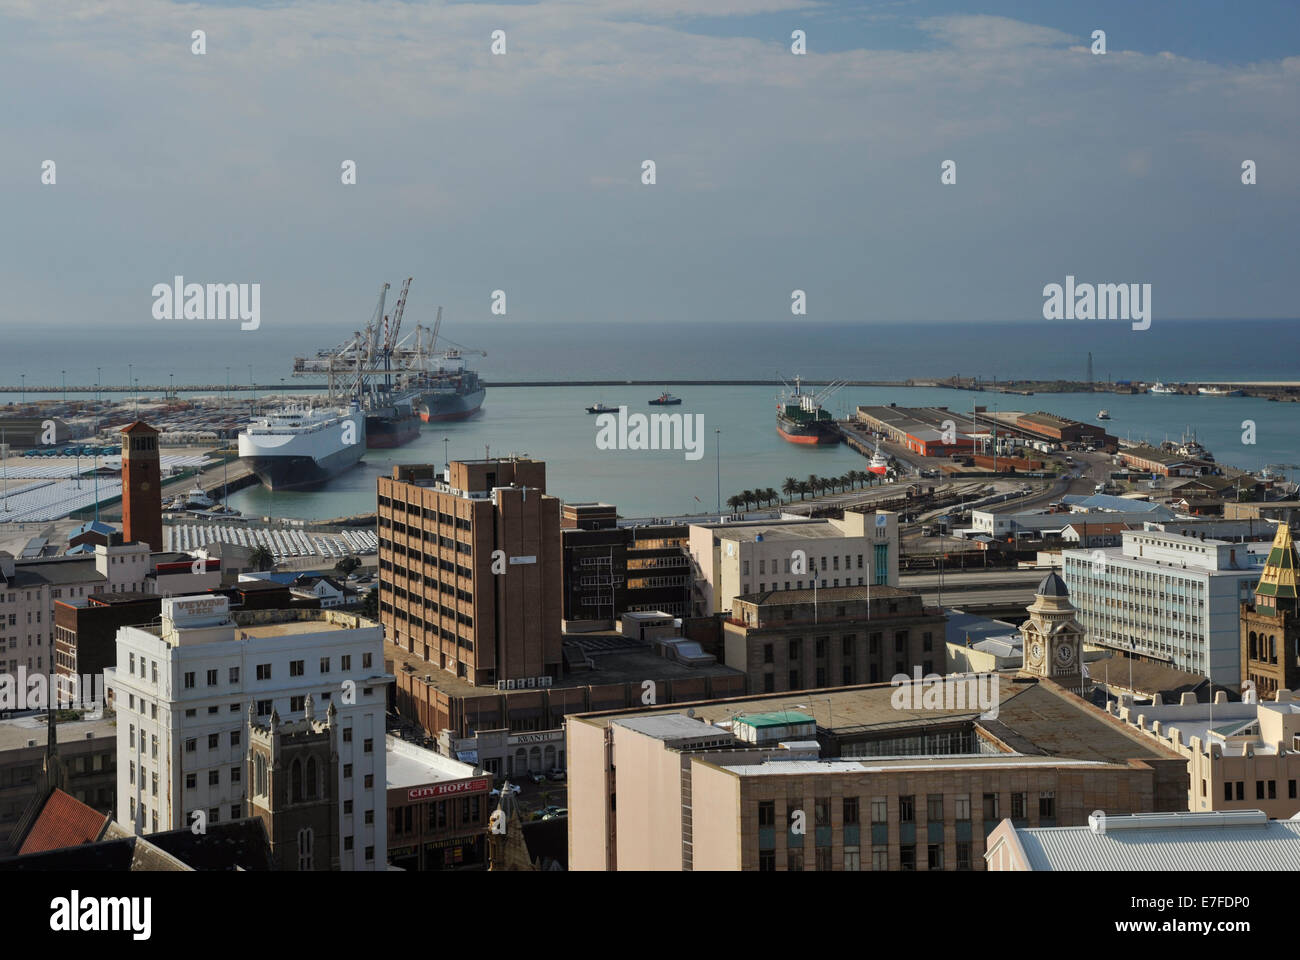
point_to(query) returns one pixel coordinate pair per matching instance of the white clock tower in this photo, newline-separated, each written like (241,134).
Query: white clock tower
(1053,637)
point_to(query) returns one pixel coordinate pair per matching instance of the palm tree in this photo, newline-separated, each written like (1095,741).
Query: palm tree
(261,558)
(771,495)
(803,489)
(748,497)
(858,476)
(734,503)
(790,487)
(815,483)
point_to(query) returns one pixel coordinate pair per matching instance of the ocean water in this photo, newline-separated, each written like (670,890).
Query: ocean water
(1169,350)
(551,423)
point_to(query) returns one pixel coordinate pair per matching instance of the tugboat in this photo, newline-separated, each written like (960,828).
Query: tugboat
(879,463)
(602,408)
(665,399)
(801,419)
(1103,414)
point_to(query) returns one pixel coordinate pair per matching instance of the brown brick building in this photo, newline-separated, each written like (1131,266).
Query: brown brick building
(470,568)
(782,641)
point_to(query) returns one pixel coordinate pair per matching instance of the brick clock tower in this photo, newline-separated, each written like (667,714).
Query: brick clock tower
(1053,636)
(141,486)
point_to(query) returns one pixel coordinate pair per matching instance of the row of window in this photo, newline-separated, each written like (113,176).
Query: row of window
(794,858)
(907,806)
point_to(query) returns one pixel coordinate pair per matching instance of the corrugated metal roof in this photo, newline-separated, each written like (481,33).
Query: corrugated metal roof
(1272,845)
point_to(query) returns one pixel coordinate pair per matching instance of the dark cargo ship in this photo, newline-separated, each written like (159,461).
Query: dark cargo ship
(801,419)
(392,425)
(449,393)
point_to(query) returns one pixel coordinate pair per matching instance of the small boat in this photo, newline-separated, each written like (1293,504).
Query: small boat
(1163,388)
(665,399)
(601,408)
(197,499)
(1103,414)
(1219,392)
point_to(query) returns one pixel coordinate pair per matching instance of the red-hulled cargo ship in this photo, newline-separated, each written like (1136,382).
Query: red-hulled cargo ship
(801,419)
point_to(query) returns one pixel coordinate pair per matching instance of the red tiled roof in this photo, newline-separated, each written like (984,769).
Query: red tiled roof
(138,427)
(64,821)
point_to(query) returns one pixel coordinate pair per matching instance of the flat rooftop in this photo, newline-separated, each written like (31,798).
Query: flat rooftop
(779,530)
(1034,719)
(839,767)
(409,765)
(15,733)
(290,628)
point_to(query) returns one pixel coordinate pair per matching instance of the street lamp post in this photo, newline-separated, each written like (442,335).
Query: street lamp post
(24,393)
(99,378)
(64,374)
(717,446)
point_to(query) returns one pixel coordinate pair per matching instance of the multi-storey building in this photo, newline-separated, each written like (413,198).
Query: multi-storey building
(741,784)
(611,570)
(1270,627)
(734,559)
(794,639)
(1240,755)
(1166,598)
(183,690)
(438,810)
(30,588)
(470,568)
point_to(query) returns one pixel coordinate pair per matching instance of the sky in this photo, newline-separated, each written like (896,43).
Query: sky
(522,172)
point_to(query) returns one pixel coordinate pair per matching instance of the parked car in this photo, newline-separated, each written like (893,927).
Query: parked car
(558,814)
(537,776)
(557,774)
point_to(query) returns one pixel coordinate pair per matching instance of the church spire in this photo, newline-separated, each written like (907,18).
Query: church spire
(1278,583)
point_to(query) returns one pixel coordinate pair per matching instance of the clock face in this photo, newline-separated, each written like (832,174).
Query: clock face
(1036,652)
(1064,654)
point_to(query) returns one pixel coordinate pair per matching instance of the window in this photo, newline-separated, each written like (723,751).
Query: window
(189,680)
(347,734)
(962,805)
(991,806)
(295,668)
(234,674)
(879,810)
(368,746)
(297,703)
(934,856)
(365,661)
(370,780)
(264,708)
(850,811)
(370,816)
(132,775)
(236,774)
(234,738)
(794,859)
(768,655)
(934,807)
(264,671)
(214,741)
(191,744)
(324,664)
(767,813)
(1018,806)
(346,661)
(347,771)
(153,785)
(907,857)
(347,807)
(906,809)
(214,778)
(1047,805)
(1227,789)
(852,860)
(963,854)
(212,678)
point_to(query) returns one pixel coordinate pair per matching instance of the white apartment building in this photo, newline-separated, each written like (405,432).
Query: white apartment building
(1168,598)
(28,589)
(183,689)
(734,559)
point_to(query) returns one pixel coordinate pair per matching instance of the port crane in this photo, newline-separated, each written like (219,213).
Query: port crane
(380,351)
